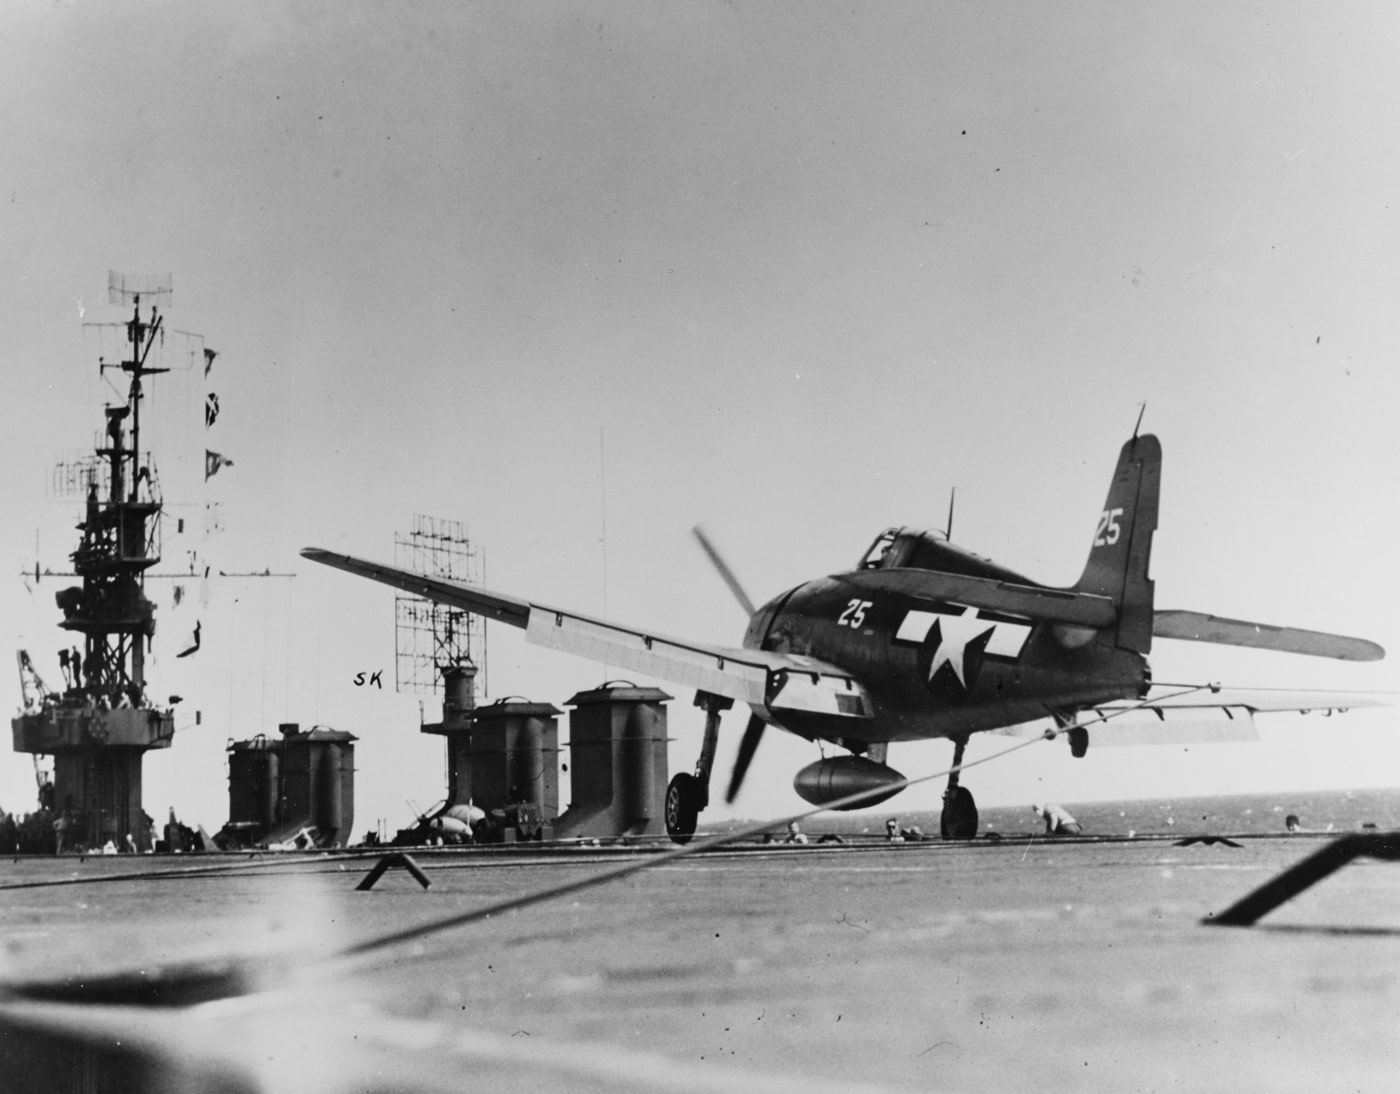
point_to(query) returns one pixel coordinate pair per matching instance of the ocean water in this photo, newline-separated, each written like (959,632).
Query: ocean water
(1243,814)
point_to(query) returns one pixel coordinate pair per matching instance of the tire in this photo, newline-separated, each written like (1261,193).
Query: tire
(682,809)
(1078,741)
(959,819)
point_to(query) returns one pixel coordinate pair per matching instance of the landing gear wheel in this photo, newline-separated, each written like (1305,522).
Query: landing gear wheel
(682,807)
(1078,741)
(959,820)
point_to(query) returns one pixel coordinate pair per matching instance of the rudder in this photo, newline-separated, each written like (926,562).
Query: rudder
(1121,554)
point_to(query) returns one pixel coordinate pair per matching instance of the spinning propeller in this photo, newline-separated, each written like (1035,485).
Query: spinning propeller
(717,560)
(753,732)
(748,745)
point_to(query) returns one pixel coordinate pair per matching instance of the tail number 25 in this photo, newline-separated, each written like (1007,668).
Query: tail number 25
(1109,528)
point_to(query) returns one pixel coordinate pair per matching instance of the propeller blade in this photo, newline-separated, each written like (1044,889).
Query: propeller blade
(724,570)
(748,745)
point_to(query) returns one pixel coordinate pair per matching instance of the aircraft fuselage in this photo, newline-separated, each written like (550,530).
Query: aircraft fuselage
(936,669)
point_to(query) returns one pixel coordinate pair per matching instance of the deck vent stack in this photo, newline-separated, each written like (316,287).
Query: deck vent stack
(279,788)
(618,769)
(503,758)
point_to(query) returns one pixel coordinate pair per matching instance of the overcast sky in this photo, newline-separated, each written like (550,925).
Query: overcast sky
(582,275)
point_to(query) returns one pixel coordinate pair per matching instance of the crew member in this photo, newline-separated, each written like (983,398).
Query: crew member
(1058,822)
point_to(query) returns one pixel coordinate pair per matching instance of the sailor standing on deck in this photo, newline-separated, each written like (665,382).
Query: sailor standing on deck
(1058,822)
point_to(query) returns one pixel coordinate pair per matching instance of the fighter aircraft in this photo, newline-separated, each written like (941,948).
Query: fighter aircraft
(923,640)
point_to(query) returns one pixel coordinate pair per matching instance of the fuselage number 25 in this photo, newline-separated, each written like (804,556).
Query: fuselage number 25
(854,615)
(1109,528)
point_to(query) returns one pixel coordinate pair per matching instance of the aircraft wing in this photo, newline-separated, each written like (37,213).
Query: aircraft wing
(505,609)
(1200,627)
(1213,716)
(1204,716)
(1256,700)
(763,679)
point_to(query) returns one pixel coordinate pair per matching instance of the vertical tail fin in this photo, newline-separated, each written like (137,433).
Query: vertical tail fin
(1122,550)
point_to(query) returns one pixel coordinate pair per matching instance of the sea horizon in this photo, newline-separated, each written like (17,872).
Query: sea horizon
(1257,813)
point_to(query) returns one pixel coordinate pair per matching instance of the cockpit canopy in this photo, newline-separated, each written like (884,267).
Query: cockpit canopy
(912,549)
(899,547)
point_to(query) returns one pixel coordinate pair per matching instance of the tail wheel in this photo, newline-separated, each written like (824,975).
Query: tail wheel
(682,807)
(959,820)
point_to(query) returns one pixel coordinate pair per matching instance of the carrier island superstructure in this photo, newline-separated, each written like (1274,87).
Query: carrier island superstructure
(100,725)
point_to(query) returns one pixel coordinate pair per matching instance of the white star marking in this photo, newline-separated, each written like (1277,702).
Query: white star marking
(955,632)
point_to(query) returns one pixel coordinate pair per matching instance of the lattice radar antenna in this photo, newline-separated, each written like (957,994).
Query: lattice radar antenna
(429,637)
(124,289)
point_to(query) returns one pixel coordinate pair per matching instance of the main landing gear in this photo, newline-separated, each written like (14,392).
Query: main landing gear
(1077,735)
(959,819)
(688,794)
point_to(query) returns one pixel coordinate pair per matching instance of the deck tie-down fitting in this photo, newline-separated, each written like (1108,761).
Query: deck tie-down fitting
(388,861)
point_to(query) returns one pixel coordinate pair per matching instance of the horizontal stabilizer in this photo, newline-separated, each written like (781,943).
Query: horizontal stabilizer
(1199,627)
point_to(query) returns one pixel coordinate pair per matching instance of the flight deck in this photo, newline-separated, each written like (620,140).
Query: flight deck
(1024,962)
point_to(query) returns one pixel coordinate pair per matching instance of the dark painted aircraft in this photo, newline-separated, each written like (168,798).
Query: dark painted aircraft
(924,639)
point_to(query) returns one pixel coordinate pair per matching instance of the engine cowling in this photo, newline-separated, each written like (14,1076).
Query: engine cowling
(838,777)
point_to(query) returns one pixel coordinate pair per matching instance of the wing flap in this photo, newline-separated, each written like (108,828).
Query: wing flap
(1177,726)
(775,682)
(720,670)
(831,694)
(1200,627)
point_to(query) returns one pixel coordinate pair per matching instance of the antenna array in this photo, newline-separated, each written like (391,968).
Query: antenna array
(429,637)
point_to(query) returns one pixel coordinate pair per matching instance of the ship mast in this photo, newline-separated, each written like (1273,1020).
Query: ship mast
(120,539)
(99,727)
